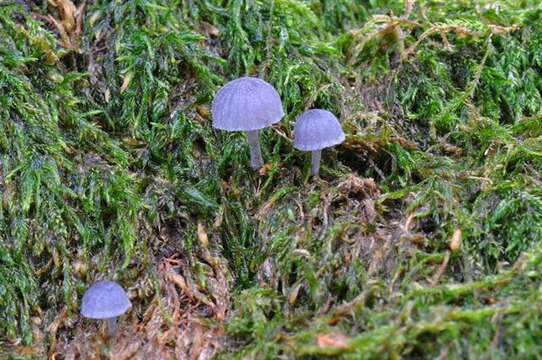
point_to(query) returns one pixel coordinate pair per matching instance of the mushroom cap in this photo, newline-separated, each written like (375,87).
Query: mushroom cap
(104,300)
(245,104)
(317,129)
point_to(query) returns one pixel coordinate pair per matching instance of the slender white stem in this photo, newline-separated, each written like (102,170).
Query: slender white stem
(315,168)
(111,326)
(256,160)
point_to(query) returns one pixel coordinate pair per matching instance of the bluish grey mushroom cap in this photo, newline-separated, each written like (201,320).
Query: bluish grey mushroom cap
(104,300)
(245,104)
(317,129)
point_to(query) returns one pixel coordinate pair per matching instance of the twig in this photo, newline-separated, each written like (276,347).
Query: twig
(441,269)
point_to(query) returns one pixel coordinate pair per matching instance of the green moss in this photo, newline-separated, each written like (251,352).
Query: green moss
(108,162)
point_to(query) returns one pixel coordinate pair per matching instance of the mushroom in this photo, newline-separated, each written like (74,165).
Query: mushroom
(315,130)
(247,104)
(105,300)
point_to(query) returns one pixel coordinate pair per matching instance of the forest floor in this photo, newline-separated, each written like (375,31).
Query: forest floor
(421,239)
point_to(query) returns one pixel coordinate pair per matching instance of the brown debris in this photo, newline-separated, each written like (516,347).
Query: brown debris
(375,146)
(357,185)
(52,329)
(458,30)
(67,12)
(183,321)
(126,81)
(333,340)
(264,170)
(409,6)
(203,111)
(455,243)
(69,23)
(37,348)
(211,30)
(441,269)
(202,236)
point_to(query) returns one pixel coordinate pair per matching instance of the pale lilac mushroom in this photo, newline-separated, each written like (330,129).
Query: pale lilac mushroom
(247,104)
(105,300)
(315,130)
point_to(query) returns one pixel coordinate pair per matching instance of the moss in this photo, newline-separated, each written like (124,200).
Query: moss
(110,168)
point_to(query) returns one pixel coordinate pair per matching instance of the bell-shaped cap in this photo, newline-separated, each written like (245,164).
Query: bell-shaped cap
(245,104)
(317,129)
(104,300)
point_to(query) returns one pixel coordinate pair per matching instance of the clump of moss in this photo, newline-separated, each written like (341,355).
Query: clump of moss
(422,238)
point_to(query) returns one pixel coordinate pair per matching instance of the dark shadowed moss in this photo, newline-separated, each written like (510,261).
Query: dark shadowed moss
(422,238)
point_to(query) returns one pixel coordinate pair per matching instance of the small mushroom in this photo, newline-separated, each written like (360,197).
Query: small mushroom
(247,104)
(105,300)
(315,130)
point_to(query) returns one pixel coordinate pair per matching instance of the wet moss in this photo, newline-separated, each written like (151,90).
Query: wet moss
(110,169)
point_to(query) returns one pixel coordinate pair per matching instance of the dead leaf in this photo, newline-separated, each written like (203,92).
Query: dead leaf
(265,169)
(356,185)
(455,243)
(79,17)
(211,30)
(55,325)
(333,340)
(126,81)
(67,11)
(440,270)
(203,111)
(65,41)
(94,18)
(202,236)
(404,143)
(294,293)
(408,222)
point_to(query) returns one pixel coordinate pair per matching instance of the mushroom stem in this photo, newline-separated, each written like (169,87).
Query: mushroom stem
(315,168)
(256,160)
(111,326)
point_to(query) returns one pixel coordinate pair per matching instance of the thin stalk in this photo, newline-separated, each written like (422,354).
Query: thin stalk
(315,168)
(111,326)
(256,160)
